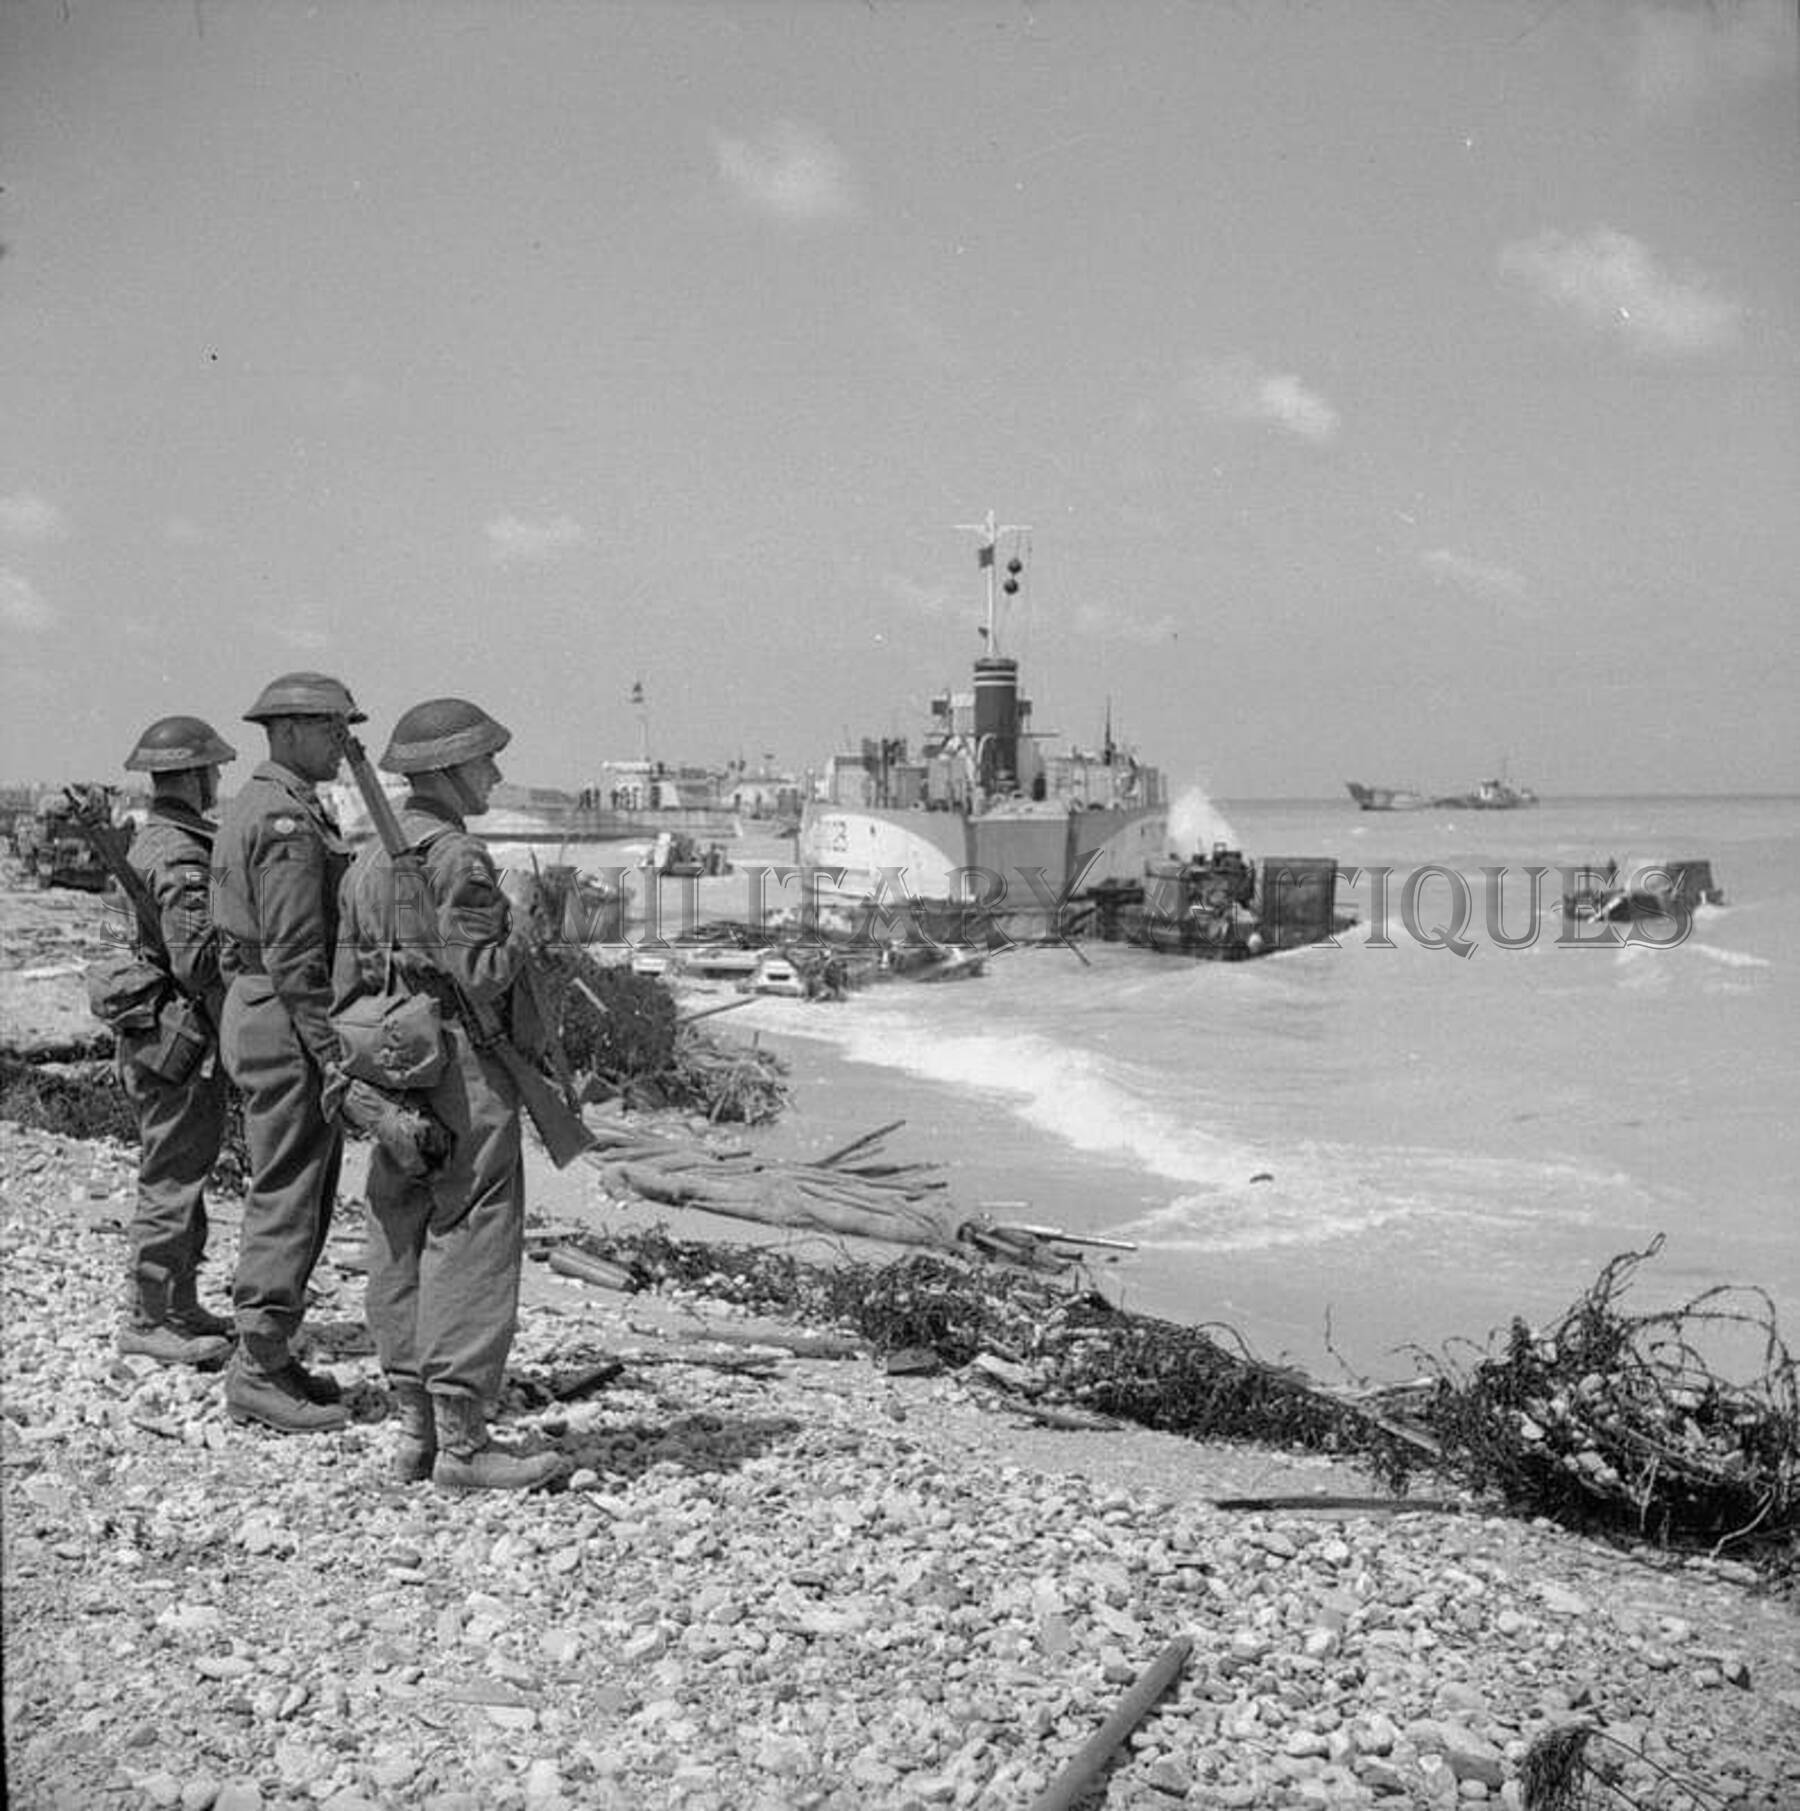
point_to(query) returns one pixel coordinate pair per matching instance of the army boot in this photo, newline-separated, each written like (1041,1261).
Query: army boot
(260,1388)
(151,1331)
(316,1386)
(468,1460)
(417,1451)
(186,1312)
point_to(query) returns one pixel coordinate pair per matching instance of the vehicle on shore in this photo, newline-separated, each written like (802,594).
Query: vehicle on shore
(1655,890)
(1223,907)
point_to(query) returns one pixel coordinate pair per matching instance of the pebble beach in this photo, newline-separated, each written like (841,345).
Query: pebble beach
(778,1581)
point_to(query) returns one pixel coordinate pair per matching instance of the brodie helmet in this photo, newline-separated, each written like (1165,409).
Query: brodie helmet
(441,733)
(174,744)
(305,695)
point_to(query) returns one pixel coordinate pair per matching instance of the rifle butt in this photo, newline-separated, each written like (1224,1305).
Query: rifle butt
(564,1135)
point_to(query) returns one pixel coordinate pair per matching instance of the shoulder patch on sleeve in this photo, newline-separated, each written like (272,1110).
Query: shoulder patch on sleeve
(284,825)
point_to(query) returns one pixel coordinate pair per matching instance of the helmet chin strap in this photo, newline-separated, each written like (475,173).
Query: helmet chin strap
(466,796)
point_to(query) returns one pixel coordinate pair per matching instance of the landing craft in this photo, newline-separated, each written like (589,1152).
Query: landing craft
(983,822)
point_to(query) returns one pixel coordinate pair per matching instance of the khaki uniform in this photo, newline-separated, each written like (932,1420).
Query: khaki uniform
(181,1125)
(445,1252)
(277,863)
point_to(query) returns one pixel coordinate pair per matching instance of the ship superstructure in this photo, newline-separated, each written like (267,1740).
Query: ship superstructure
(982,811)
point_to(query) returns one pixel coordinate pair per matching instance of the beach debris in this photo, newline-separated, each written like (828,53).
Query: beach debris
(1050,1346)
(623,1038)
(1558,1773)
(1036,1343)
(1616,1421)
(897,1203)
(1070,1786)
(587,1268)
(872,1198)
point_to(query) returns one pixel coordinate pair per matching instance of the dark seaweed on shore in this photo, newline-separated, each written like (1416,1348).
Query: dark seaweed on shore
(1055,1346)
(1607,1422)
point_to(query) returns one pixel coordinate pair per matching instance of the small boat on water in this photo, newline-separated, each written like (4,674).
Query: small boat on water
(981,816)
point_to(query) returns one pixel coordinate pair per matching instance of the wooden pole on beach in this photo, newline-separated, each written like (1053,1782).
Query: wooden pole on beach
(858,1144)
(1066,1790)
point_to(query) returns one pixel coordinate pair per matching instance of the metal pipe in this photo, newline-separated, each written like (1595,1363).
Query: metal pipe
(1065,1791)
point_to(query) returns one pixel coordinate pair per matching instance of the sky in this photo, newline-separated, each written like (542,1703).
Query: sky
(1401,391)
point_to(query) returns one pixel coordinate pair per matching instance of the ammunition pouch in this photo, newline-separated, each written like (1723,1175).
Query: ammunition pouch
(126,992)
(393,1041)
(184,1037)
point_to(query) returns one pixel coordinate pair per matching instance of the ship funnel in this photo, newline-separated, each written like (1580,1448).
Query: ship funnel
(997,722)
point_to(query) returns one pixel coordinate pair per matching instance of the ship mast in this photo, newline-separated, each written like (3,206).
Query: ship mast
(985,558)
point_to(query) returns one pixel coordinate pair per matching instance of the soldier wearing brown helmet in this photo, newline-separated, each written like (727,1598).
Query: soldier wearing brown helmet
(445,1248)
(178,1095)
(276,867)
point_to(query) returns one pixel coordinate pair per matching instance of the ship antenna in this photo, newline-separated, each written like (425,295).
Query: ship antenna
(984,558)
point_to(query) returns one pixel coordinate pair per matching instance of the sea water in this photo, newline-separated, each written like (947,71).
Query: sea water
(1351,1153)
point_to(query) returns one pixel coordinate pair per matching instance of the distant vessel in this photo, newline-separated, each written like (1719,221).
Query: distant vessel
(1484,795)
(982,822)
(1386,798)
(1490,795)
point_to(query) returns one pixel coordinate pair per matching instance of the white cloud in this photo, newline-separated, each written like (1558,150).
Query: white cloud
(1235,389)
(1611,281)
(27,519)
(512,540)
(1683,52)
(792,172)
(20,605)
(1497,582)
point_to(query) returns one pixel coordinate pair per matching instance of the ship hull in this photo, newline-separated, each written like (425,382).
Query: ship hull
(604,825)
(1019,865)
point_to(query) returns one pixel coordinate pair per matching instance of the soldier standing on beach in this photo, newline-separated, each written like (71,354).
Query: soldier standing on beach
(276,867)
(446,1246)
(178,1093)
